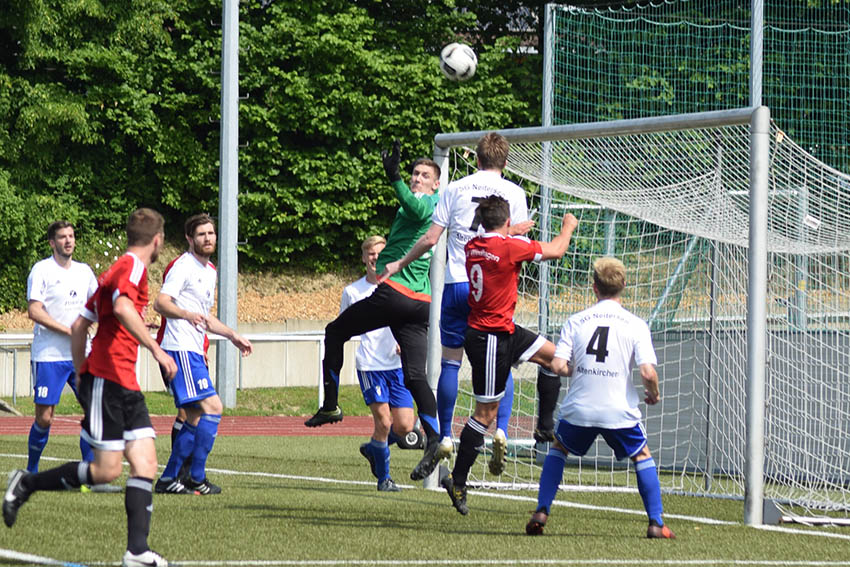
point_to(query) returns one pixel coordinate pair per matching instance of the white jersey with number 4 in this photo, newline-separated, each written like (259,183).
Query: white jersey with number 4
(63,292)
(602,344)
(456,213)
(192,286)
(377,350)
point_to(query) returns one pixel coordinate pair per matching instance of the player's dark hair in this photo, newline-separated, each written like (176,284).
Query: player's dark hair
(609,275)
(492,151)
(492,212)
(56,226)
(429,162)
(195,221)
(143,225)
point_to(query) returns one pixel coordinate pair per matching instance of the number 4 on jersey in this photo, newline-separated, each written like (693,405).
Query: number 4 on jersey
(598,344)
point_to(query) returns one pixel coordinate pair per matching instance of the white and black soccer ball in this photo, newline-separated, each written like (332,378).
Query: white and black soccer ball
(458,62)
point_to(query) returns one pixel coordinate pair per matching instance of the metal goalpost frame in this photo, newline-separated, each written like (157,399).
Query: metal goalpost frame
(227,357)
(758,119)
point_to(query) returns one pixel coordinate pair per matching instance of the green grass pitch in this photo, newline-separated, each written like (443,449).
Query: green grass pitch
(305,500)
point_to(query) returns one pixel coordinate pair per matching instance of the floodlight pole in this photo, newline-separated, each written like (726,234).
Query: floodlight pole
(226,353)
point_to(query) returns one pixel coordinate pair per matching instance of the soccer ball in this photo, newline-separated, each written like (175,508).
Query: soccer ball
(458,62)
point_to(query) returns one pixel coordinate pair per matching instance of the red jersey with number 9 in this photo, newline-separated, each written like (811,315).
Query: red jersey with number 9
(493,262)
(114,350)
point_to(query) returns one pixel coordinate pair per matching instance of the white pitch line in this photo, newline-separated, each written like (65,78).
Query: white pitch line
(497,562)
(20,557)
(564,503)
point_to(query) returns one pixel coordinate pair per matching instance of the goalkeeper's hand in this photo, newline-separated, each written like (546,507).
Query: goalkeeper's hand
(391,162)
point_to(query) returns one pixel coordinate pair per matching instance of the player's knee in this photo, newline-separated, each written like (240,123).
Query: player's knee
(143,466)
(382,426)
(44,415)
(212,405)
(44,420)
(403,422)
(105,472)
(644,454)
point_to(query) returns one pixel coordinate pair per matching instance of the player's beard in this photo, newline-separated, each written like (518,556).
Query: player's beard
(65,255)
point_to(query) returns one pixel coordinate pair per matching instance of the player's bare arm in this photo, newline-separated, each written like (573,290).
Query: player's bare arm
(165,306)
(219,328)
(558,246)
(425,243)
(520,228)
(130,319)
(650,383)
(79,337)
(560,366)
(37,313)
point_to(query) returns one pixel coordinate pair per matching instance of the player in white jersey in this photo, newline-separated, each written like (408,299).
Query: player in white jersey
(598,347)
(455,213)
(184,301)
(380,375)
(57,289)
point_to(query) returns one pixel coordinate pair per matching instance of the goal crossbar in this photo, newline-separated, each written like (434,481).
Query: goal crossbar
(668,123)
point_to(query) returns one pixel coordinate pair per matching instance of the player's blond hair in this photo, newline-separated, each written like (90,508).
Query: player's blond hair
(492,151)
(372,241)
(609,276)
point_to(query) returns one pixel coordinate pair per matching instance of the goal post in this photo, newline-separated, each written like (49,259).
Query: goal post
(685,200)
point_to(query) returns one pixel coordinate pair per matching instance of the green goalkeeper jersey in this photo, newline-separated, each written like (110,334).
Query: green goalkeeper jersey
(411,221)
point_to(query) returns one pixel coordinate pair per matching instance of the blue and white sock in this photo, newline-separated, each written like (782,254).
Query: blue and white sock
(35,445)
(506,405)
(381,455)
(550,478)
(447,395)
(180,451)
(650,489)
(205,435)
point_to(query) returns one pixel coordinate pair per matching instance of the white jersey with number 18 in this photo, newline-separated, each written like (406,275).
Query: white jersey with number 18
(602,344)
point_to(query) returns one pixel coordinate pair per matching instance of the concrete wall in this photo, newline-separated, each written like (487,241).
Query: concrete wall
(277,361)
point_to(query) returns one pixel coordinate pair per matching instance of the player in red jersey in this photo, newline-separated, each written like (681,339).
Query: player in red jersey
(493,343)
(116,422)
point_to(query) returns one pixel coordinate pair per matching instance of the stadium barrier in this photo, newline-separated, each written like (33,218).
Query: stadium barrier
(284,355)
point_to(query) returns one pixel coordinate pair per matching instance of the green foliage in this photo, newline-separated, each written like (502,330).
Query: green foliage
(23,236)
(106,106)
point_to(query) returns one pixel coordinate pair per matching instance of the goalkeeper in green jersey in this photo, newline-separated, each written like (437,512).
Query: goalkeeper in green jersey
(401,303)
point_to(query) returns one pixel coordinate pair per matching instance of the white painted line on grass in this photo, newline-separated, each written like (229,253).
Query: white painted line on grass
(508,562)
(19,557)
(564,503)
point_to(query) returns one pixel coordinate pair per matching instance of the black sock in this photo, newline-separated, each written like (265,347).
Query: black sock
(138,502)
(471,443)
(175,430)
(548,388)
(63,477)
(331,391)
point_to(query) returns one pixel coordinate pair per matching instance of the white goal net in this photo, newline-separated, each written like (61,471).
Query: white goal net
(674,206)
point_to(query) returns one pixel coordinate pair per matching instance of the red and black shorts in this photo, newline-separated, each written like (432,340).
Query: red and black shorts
(491,355)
